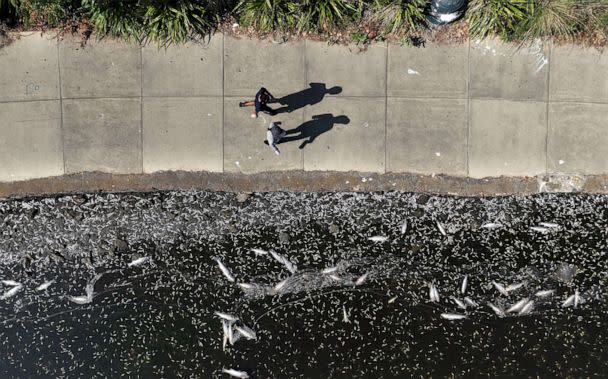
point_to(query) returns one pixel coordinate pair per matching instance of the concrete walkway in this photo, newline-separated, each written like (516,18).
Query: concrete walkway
(473,110)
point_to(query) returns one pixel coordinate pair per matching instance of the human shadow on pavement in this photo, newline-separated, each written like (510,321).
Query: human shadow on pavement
(310,130)
(310,96)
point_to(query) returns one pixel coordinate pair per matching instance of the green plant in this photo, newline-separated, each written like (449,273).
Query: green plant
(267,15)
(547,18)
(8,8)
(396,15)
(122,19)
(174,22)
(326,13)
(359,37)
(495,17)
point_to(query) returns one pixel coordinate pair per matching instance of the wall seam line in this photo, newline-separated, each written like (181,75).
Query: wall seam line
(469,108)
(141,106)
(386,105)
(61,133)
(223,102)
(547,109)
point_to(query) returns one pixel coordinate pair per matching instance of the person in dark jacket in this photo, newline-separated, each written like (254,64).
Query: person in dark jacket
(262,98)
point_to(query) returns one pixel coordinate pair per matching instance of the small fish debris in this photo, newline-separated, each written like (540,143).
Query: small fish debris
(499,312)
(463,287)
(224,269)
(491,225)
(404,227)
(539,229)
(433,293)
(544,293)
(284,261)
(12,292)
(517,306)
(329,270)
(45,285)
(392,299)
(459,303)
(441,228)
(225,316)
(470,302)
(526,308)
(550,225)
(279,286)
(246,332)
(360,280)
(513,287)
(139,261)
(345,315)
(569,301)
(80,299)
(235,373)
(452,316)
(11,283)
(378,239)
(577,298)
(259,252)
(500,288)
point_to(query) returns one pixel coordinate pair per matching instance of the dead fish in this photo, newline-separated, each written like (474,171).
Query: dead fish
(225,336)
(550,225)
(459,303)
(569,301)
(452,316)
(80,299)
(392,299)
(463,287)
(335,277)
(284,261)
(539,229)
(224,269)
(345,315)
(544,293)
(279,286)
(517,306)
(11,283)
(500,288)
(470,302)
(441,229)
(491,225)
(497,310)
(329,270)
(12,292)
(45,285)
(513,287)
(360,280)
(139,261)
(235,373)
(433,293)
(246,332)
(259,252)
(526,308)
(577,298)
(404,227)
(225,316)
(378,239)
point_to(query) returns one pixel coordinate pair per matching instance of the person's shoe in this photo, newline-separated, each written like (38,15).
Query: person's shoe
(241,104)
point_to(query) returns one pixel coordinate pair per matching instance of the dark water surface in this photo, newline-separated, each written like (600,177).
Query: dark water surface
(157,319)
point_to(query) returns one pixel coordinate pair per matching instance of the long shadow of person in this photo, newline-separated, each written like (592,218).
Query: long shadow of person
(310,130)
(309,96)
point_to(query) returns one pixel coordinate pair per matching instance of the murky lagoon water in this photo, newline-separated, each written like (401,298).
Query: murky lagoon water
(157,319)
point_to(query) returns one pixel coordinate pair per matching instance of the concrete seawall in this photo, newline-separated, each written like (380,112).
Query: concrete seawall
(465,112)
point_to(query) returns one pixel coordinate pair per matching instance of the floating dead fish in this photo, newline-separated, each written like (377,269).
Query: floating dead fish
(225,316)
(577,298)
(452,316)
(259,252)
(235,373)
(225,336)
(470,302)
(513,287)
(85,299)
(544,293)
(11,283)
(404,227)
(360,280)
(12,292)
(345,315)
(224,269)
(500,288)
(441,228)
(279,286)
(378,239)
(526,308)
(139,261)
(550,225)
(329,270)
(284,261)
(459,303)
(335,277)
(497,310)
(45,285)
(539,229)
(491,225)
(392,299)
(433,293)
(246,332)
(569,301)
(463,287)
(517,306)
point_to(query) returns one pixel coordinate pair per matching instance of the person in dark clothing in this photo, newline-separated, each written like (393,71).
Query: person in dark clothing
(262,98)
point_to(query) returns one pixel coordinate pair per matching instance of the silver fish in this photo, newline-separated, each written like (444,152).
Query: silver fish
(11,283)
(527,308)
(80,299)
(360,280)
(459,303)
(539,229)
(569,301)
(544,293)
(259,252)
(497,310)
(225,337)
(392,299)
(577,298)
(225,316)
(513,287)
(345,315)
(500,288)
(404,227)
(139,261)
(224,269)
(279,286)
(335,277)
(246,332)
(465,281)
(433,293)
(441,229)
(329,270)
(235,373)
(517,306)
(452,316)
(12,292)
(491,225)
(470,302)
(378,239)
(284,261)
(45,285)
(550,225)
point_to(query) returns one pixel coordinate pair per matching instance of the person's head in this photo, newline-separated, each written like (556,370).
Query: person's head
(334,90)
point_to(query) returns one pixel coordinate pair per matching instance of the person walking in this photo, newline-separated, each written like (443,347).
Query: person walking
(262,98)
(274,134)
